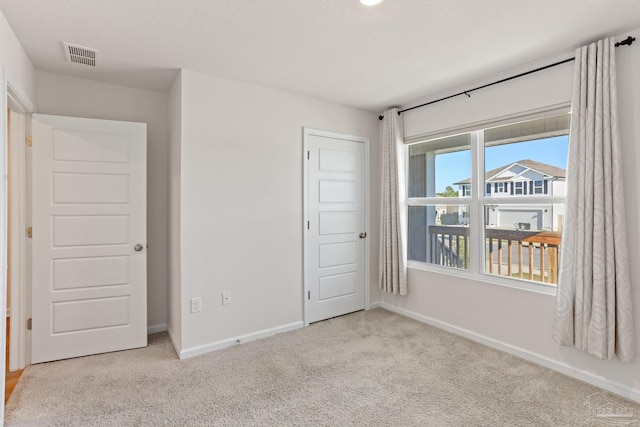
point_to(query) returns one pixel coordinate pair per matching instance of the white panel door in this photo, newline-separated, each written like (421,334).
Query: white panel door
(335,243)
(89,261)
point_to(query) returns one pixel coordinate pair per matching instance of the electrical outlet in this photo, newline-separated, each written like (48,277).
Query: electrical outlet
(226,297)
(196,305)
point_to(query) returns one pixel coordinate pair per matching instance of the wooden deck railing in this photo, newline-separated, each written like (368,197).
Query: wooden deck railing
(449,245)
(531,255)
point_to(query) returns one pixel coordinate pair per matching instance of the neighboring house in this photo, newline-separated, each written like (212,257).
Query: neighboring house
(522,178)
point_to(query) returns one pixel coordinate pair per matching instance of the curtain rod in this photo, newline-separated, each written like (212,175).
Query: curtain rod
(626,42)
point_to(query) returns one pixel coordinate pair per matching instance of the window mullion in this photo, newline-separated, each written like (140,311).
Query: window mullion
(477,196)
(419,201)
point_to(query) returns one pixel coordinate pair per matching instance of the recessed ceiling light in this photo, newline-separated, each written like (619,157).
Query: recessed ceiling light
(370,2)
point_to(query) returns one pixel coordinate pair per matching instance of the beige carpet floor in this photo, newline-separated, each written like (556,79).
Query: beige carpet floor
(370,368)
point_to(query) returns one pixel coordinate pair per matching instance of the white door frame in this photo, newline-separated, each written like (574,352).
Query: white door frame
(11,95)
(20,245)
(307,132)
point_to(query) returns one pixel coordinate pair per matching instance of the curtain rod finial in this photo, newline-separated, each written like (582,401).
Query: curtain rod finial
(628,41)
(380,117)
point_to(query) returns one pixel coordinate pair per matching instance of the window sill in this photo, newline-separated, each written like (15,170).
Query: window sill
(540,288)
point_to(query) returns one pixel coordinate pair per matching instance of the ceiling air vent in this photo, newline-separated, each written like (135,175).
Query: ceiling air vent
(80,54)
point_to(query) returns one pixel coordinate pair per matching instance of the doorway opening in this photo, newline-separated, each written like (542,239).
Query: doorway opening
(11,378)
(15,214)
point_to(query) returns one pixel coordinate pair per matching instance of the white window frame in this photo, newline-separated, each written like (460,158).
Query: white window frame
(537,187)
(478,200)
(516,189)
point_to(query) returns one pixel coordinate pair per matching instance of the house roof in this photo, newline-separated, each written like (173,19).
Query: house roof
(544,168)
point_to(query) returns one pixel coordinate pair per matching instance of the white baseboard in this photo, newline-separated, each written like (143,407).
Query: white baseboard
(173,341)
(375,305)
(614,387)
(218,345)
(154,329)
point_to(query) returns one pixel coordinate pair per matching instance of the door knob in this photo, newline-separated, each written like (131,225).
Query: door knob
(138,247)
(363,235)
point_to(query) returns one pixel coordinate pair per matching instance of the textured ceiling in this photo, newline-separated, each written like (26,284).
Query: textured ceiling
(337,50)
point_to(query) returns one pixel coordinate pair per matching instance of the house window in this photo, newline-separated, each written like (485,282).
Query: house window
(519,187)
(538,187)
(514,235)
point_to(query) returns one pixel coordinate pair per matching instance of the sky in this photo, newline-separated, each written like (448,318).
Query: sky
(453,167)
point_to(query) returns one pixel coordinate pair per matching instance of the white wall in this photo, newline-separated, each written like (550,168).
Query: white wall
(70,96)
(241,203)
(12,56)
(18,72)
(539,90)
(175,138)
(514,319)
(558,188)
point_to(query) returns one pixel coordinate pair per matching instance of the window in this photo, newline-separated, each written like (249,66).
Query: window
(519,187)
(442,222)
(538,187)
(504,230)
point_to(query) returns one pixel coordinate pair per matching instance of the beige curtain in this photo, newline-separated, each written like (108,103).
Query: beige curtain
(393,259)
(594,311)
